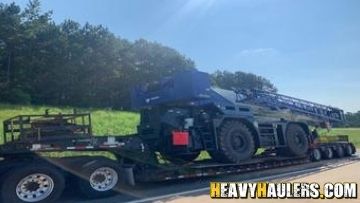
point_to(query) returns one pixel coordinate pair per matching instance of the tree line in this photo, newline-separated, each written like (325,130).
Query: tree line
(84,65)
(353,119)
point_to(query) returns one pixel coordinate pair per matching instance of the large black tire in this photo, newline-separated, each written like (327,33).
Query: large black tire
(353,148)
(297,140)
(98,178)
(339,152)
(236,143)
(17,184)
(348,150)
(328,153)
(316,155)
(180,158)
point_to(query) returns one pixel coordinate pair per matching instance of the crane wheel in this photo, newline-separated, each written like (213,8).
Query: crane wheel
(297,141)
(236,143)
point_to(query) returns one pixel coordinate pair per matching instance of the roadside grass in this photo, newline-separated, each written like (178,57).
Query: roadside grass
(353,133)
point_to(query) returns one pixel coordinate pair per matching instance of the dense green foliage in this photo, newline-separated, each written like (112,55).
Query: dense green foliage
(70,64)
(83,65)
(353,119)
(238,79)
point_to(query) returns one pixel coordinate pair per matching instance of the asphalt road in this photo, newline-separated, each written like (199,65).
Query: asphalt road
(346,173)
(165,191)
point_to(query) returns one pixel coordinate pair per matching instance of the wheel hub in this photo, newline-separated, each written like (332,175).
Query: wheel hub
(103,179)
(237,142)
(99,178)
(34,187)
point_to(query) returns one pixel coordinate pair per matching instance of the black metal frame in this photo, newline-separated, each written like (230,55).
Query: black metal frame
(19,127)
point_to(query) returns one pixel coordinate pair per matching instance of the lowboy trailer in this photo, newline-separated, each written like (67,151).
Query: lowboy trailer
(180,116)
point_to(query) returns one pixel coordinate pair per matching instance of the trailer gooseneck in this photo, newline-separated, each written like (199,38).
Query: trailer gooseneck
(181,116)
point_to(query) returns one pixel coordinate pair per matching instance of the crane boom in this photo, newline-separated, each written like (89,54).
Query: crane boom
(279,101)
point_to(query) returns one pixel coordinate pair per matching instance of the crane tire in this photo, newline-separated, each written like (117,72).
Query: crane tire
(236,143)
(297,140)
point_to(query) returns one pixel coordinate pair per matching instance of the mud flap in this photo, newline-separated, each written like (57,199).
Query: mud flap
(127,177)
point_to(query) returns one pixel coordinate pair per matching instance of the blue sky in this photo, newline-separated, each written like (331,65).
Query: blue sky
(308,49)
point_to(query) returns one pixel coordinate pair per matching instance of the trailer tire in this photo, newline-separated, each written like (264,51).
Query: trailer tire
(316,155)
(353,148)
(98,178)
(46,181)
(236,143)
(339,151)
(348,150)
(328,153)
(297,141)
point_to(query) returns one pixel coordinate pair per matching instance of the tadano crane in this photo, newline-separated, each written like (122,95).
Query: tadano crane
(183,115)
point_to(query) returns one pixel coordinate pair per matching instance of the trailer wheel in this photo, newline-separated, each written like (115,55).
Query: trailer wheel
(339,151)
(236,143)
(98,178)
(33,183)
(328,153)
(348,150)
(316,155)
(353,148)
(297,141)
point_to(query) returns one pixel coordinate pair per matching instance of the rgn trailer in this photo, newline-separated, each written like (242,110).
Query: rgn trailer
(180,116)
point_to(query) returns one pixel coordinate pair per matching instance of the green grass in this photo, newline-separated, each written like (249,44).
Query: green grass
(104,122)
(353,133)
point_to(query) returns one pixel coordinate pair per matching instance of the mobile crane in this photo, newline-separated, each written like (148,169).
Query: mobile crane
(181,115)
(184,114)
